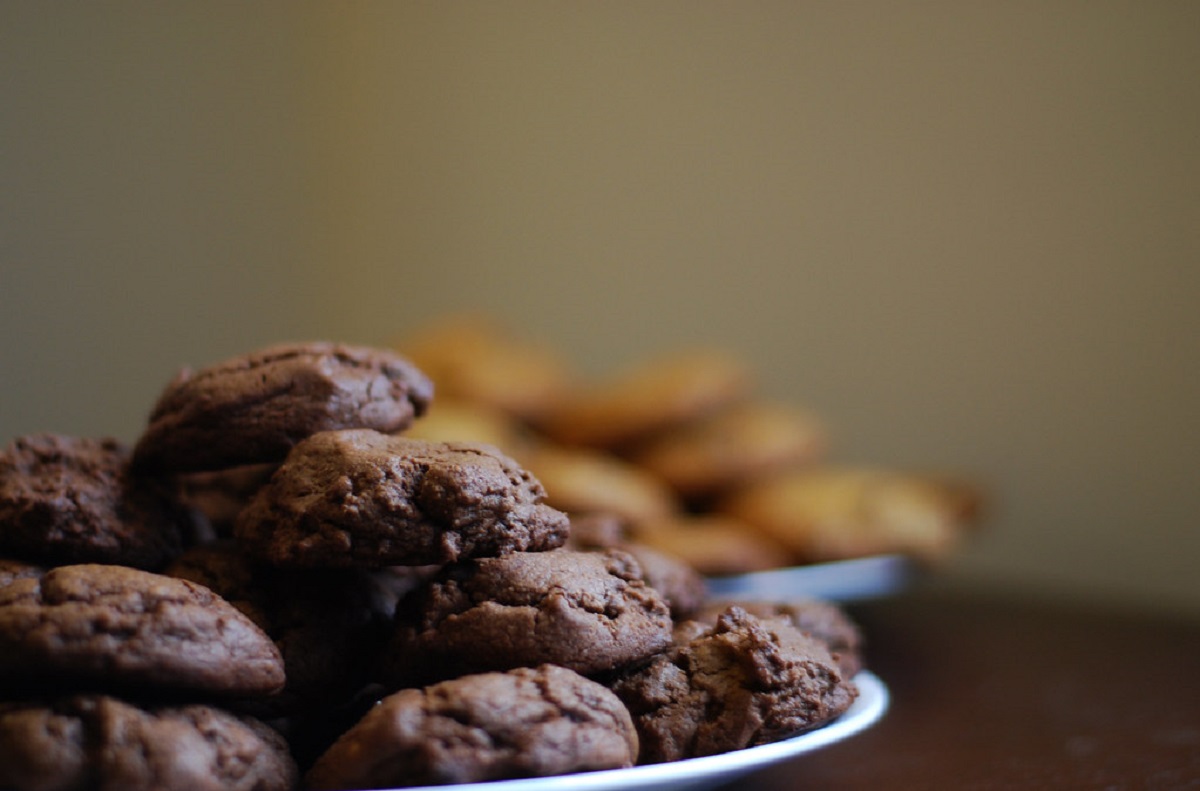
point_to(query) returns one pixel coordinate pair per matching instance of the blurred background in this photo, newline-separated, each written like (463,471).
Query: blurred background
(966,234)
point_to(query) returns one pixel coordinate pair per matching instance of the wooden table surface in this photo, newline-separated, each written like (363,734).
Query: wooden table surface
(997,692)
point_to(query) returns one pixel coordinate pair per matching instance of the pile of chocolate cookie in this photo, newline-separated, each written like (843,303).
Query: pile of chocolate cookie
(282,584)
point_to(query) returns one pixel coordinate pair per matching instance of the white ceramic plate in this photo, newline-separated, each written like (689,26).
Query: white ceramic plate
(844,580)
(701,773)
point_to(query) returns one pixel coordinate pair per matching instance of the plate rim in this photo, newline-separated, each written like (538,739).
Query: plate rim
(868,708)
(846,580)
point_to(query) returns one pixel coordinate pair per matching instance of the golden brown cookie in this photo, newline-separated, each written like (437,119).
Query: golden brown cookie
(713,544)
(583,481)
(659,394)
(473,358)
(735,445)
(456,420)
(835,513)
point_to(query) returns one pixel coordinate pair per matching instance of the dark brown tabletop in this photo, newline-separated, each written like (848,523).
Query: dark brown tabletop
(991,691)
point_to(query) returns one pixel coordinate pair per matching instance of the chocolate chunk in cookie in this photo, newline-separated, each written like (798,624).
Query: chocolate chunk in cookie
(97,741)
(589,611)
(100,628)
(361,498)
(67,500)
(528,722)
(741,683)
(255,408)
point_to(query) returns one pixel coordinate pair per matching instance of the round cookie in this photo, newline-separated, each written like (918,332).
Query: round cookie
(361,498)
(741,683)
(325,623)
(590,611)
(833,513)
(583,481)
(450,420)
(475,359)
(67,500)
(822,620)
(102,627)
(713,544)
(100,742)
(657,395)
(735,445)
(527,722)
(254,408)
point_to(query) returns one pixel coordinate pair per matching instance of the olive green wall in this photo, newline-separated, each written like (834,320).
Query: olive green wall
(966,233)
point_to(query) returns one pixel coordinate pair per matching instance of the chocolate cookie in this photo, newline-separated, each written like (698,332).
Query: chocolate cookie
(361,498)
(528,722)
(819,619)
(215,498)
(741,683)
(324,622)
(103,743)
(12,570)
(589,611)
(254,409)
(680,585)
(70,500)
(109,627)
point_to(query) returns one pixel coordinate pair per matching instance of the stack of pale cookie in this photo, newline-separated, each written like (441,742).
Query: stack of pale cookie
(284,583)
(684,450)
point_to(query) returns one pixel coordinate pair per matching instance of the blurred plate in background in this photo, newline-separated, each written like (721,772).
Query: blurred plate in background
(844,580)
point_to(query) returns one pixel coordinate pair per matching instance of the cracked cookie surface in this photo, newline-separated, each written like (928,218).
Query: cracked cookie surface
(589,611)
(70,500)
(740,683)
(99,627)
(253,409)
(101,742)
(362,498)
(526,722)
